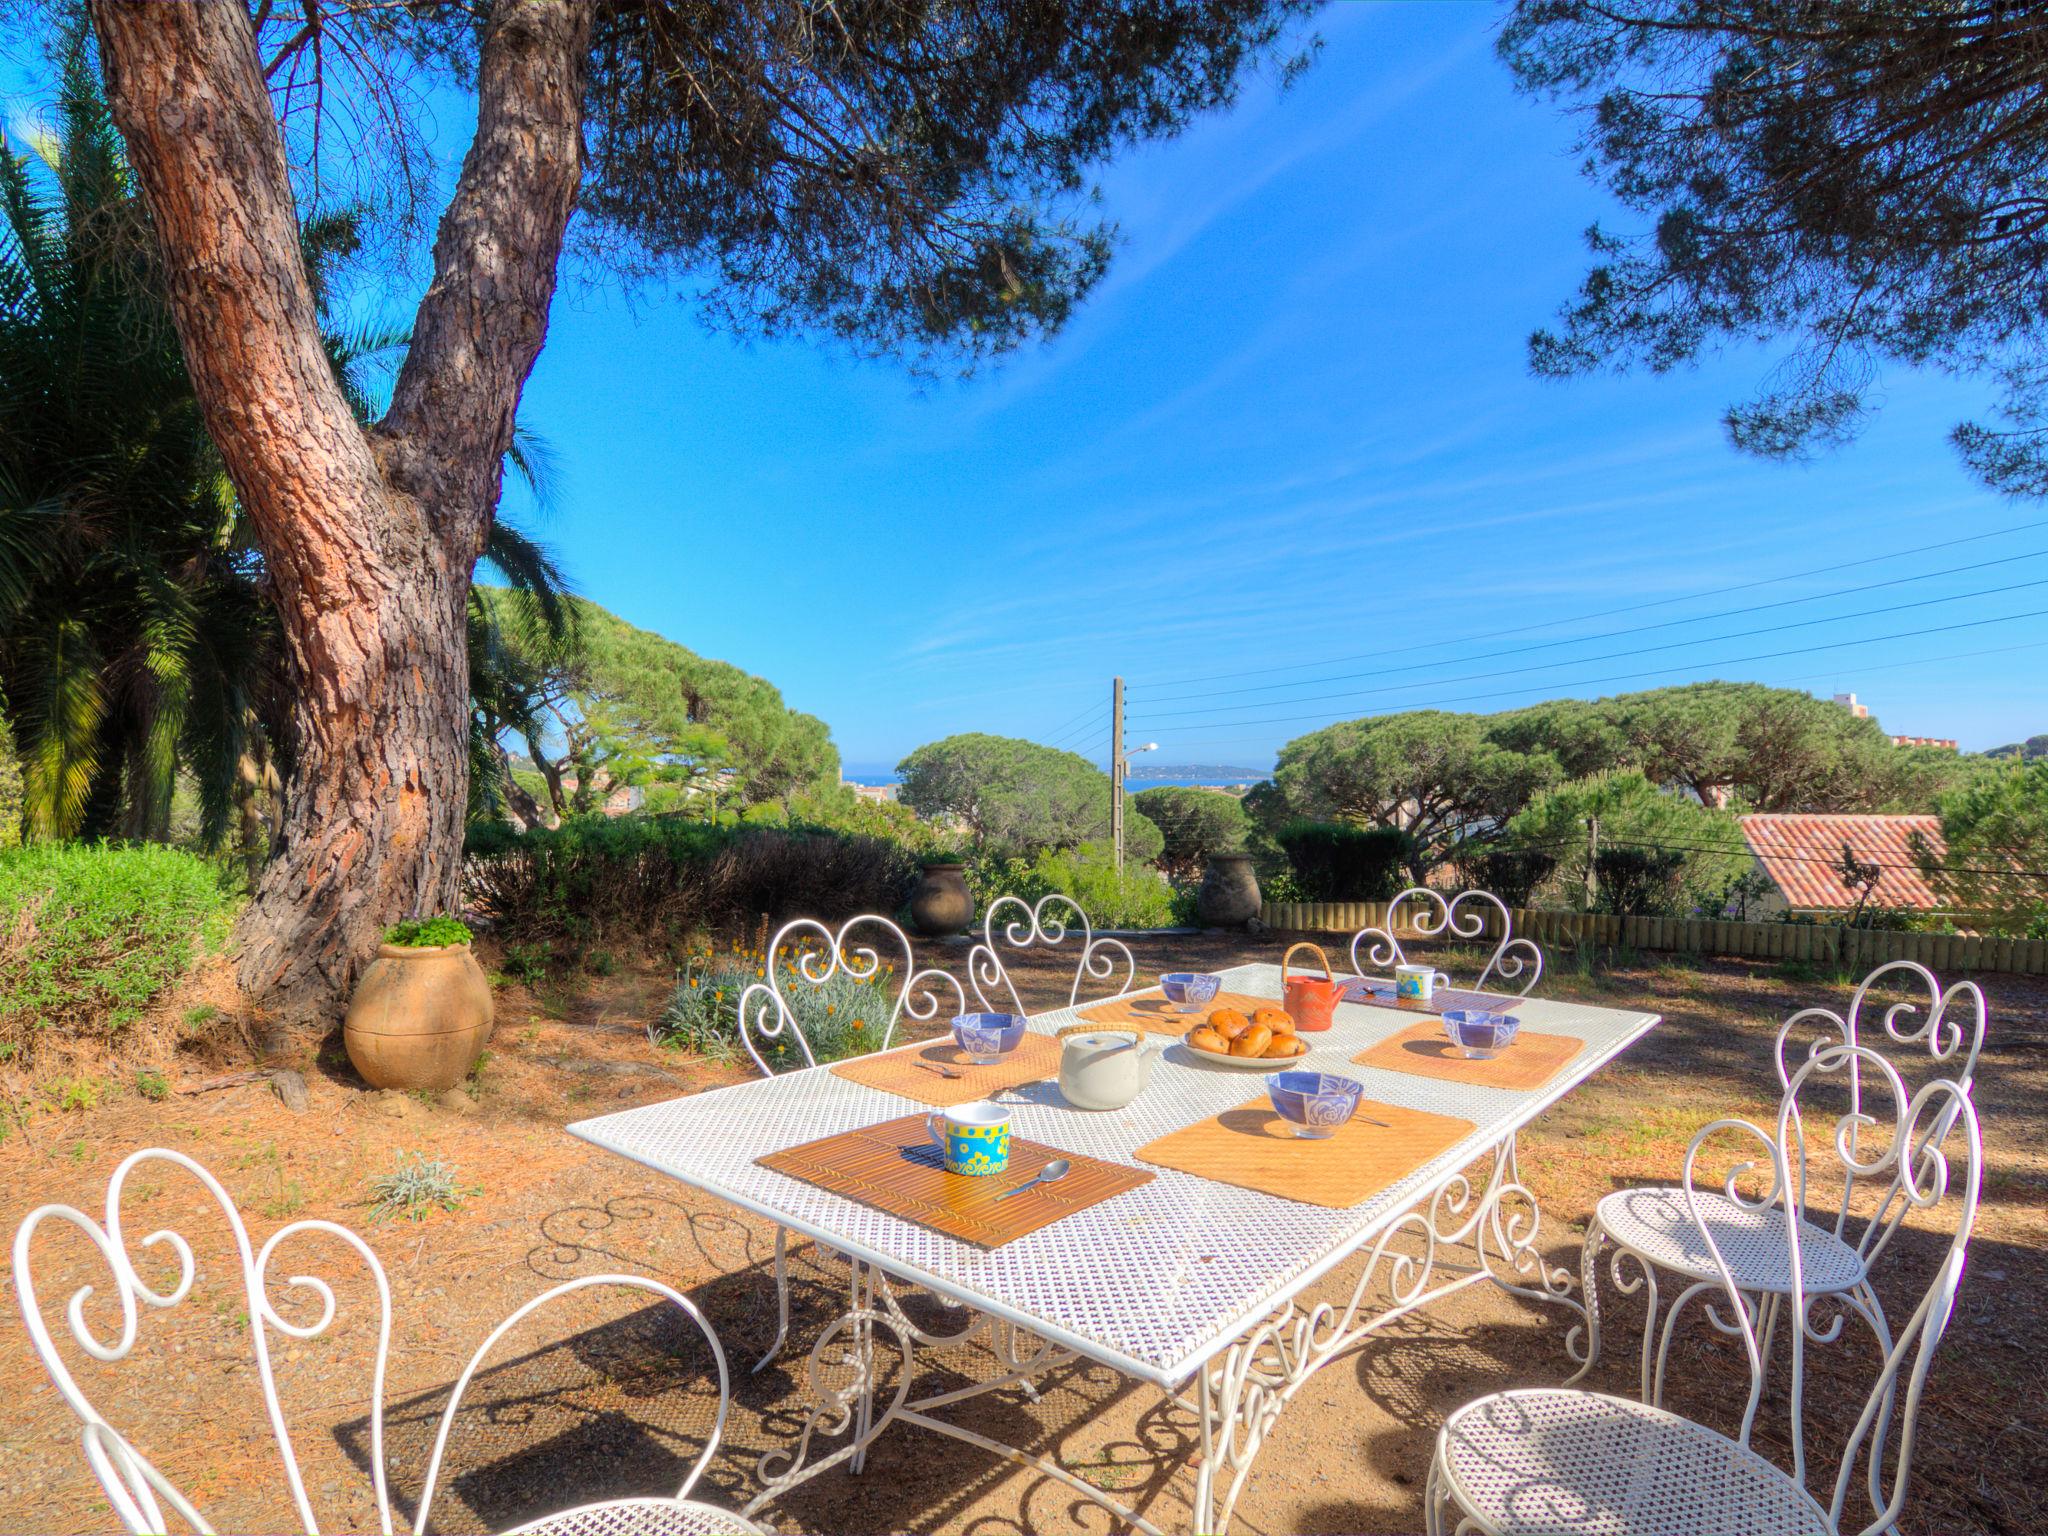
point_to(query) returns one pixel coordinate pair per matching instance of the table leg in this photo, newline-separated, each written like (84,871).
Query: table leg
(860,1343)
(1464,1235)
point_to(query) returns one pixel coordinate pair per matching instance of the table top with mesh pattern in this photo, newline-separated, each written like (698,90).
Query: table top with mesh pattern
(1152,1282)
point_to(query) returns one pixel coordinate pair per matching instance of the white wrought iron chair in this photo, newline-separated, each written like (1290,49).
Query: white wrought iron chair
(140,1493)
(768,1020)
(1463,916)
(1651,1225)
(1559,1460)
(1034,927)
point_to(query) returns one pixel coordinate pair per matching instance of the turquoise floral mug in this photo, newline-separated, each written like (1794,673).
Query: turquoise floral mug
(973,1138)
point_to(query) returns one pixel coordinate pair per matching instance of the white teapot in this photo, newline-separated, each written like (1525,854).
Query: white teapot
(1107,1068)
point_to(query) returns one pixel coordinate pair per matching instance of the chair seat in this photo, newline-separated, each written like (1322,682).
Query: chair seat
(641,1517)
(1553,1462)
(1656,1223)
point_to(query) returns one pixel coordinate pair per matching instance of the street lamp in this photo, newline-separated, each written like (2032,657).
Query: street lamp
(1119,768)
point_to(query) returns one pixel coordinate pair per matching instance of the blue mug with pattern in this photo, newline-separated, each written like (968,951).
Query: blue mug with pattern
(973,1138)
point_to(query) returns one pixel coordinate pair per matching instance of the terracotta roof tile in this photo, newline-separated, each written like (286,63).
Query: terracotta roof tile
(1803,855)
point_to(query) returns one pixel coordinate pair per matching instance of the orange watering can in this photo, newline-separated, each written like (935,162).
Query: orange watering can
(1309,1000)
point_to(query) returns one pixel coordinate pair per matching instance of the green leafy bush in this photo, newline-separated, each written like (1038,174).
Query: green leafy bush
(92,934)
(1996,832)
(428,933)
(839,1016)
(595,875)
(1512,874)
(1333,862)
(1141,898)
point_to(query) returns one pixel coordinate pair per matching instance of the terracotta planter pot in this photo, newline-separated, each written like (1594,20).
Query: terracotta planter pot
(941,904)
(1229,895)
(420,1017)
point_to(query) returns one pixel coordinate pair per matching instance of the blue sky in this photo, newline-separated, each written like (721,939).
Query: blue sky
(1294,423)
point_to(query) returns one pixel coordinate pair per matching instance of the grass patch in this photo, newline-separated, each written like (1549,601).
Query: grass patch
(418,1185)
(840,1016)
(92,934)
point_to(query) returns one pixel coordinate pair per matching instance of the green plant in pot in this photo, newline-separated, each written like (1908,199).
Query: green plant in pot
(422,1010)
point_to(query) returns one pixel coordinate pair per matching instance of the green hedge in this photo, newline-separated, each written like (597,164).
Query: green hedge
(595,875)
(91,934)
(1332,862)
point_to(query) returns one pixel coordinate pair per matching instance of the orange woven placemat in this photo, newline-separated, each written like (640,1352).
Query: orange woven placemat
(1152,1012)
(895,1168)
(908,1071)
(1423,1049)
(1253,1148)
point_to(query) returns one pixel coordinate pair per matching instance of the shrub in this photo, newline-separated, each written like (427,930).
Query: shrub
(1997,835)
(1642,882)
(416,1186)
(840,1016)
(1137,898)
(1636,818)
(1194,823)
(1511,874)
(428,933)
(595,875)
(92,934)
(1333,862)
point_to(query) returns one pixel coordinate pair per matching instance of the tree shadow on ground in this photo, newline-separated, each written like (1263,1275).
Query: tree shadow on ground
(622,1402)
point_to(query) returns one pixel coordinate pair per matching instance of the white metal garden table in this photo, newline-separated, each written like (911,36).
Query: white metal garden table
(1183,1283)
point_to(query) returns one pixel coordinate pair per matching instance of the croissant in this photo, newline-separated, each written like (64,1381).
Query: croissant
(1275,1019)
(1229,1023)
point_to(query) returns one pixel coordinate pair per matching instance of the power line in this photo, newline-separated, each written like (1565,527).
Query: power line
(1862,667)
(1087,713)
(1616,634)
(1619,677)
(1675,645)
(1096,716)
(1605,613)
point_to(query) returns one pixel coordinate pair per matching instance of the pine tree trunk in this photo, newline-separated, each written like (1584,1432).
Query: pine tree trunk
(369,538)
(374,810)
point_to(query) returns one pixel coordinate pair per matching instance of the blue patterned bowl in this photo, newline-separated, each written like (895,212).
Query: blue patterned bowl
(988,1037)
(1188,991)
(1481,1036)
(1314,1103)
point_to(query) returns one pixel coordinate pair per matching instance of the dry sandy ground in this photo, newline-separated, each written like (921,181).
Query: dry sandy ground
(610,1397)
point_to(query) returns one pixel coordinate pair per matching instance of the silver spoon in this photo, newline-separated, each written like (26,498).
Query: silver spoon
(1058,1168)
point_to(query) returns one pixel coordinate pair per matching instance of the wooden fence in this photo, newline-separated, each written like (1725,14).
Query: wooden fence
(1856,949)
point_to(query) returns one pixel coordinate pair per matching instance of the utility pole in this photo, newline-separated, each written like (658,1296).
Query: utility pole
(1592,861)
(1116,770)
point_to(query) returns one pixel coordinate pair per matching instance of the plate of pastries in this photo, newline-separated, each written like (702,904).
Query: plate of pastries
(1262,1040)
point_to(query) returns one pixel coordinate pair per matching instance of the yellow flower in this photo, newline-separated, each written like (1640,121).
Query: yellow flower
(858,1025)
(759,972)
(831,1008)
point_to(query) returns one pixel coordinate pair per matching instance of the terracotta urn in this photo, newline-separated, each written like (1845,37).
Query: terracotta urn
(420,1017)
(1229,894)
(941,904)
